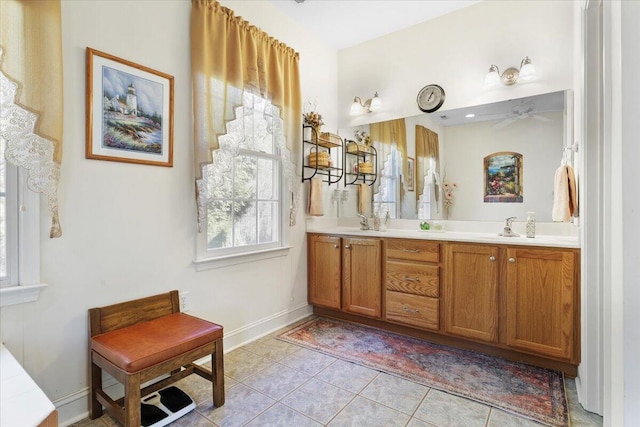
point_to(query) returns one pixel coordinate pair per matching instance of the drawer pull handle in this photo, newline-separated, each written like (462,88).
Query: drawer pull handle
(412,279)
(492,258)
(512,260)
(412,251)
(410,310)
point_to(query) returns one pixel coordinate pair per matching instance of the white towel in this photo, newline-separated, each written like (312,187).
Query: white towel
(364,200)
(314,207)
(565,196)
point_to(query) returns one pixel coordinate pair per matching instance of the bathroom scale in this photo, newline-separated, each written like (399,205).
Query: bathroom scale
(164,406)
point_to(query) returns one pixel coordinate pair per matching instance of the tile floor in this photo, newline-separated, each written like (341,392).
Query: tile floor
(273,383)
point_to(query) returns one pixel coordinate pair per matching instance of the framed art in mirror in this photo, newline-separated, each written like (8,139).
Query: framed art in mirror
(129,111)
(503,178)
(411,174)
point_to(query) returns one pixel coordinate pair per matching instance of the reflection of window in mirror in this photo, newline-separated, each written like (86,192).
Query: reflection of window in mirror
(386,197)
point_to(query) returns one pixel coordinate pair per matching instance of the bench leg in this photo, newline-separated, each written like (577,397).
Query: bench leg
(132,401)
(217,374)
(95,383)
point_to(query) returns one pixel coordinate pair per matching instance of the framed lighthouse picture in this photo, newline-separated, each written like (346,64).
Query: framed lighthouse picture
(129,111)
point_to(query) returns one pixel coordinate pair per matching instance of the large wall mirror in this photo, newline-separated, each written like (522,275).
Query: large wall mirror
(455,182)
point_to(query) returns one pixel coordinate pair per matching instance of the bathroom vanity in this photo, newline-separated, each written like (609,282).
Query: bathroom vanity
(512,297)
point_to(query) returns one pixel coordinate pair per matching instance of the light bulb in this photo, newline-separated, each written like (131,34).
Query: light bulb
(376,103)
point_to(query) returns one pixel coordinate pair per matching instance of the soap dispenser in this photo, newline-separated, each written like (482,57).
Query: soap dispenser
(531,224)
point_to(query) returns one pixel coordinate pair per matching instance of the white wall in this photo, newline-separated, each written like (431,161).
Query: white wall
(465,148)
(129,230)
(455,51)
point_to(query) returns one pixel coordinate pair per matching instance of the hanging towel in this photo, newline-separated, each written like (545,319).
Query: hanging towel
(565,196)
(573,193)
(315,197)
(364,200)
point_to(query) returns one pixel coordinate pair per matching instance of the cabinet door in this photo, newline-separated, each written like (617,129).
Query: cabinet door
(361,276)
(471,293)
(540,300)
(324,270)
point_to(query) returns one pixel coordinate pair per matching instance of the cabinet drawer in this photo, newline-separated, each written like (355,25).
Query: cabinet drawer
(413,278)
(413,250)
(413,310)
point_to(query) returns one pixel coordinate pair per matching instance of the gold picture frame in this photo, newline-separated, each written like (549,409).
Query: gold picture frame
(129,111)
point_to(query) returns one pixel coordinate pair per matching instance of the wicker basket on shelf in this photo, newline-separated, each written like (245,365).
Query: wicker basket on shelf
(365,167)
(354,147)
(330,138)
(319,159)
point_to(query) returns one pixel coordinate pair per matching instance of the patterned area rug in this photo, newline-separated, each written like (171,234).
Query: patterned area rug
(521,389)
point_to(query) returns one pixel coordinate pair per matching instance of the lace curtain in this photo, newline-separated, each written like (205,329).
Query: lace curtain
(229,59)
(428,188)
(31,94)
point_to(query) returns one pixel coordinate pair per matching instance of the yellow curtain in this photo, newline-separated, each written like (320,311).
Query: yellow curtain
(389,132)
(427,147)
(31,40)
(231,50)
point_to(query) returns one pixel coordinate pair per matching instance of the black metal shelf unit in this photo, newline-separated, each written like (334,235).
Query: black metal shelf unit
(353,176)
(330,174)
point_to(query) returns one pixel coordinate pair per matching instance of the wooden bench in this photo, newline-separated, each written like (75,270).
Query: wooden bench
(141,340)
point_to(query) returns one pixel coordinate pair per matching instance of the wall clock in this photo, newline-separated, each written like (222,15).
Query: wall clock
(430,98)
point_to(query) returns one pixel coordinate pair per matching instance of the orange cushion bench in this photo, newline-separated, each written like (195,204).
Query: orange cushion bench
(138,341)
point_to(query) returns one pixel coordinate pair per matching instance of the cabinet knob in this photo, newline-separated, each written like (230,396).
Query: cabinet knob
(336,246)
(347,246)
(492,258)
(512,260)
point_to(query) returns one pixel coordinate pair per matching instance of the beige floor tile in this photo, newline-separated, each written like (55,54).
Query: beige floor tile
(276,381)
(307,361)
(242,405)
(240,364)
(271,348)
(499,418)
(280,415)
(318,400)
(346,375)
(447,410)
(364,412)
(395,392)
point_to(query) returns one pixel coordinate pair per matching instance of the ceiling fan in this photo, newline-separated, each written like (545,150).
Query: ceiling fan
(521,111)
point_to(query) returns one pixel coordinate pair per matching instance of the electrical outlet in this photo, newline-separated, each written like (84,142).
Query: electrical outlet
(184,301)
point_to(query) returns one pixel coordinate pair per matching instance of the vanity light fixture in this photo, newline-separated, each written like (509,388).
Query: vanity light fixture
(359,107)
(511,75)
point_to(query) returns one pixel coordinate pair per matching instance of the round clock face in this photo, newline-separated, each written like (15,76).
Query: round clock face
(430,98)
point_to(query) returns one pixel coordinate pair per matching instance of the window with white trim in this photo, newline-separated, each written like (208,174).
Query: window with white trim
(244,211)
(8,222)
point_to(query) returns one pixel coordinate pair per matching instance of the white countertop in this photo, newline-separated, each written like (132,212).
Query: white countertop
(565,237)
(22,402)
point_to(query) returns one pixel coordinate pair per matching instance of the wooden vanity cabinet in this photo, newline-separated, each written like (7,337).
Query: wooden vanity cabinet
(412,283)
(345,274)
(325,270)
(541,298)
(471,291)
(361,276)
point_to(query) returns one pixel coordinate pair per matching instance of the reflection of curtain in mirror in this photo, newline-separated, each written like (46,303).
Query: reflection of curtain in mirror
(427,157)
(384,135)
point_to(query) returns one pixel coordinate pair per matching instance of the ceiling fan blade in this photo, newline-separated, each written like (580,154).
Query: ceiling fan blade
(505,123)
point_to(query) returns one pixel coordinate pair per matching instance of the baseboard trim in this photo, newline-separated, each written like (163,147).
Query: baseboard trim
(74,407)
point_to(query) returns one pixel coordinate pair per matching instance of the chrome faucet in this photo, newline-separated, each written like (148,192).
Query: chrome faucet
(507,228)
(364,222)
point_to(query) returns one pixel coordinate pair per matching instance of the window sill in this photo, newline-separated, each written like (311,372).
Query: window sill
(20,294)
(226,261)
